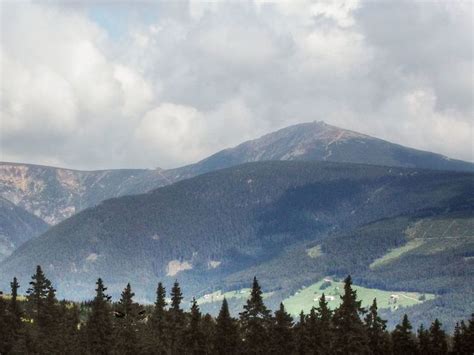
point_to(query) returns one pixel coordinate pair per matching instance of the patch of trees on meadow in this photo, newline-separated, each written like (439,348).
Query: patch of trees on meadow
(43,325)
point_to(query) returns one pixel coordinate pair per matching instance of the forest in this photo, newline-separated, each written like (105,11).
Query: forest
(38,323)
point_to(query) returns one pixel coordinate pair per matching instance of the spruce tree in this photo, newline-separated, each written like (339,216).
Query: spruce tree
(15,323)
(379,339)
(255,321)
(37,294)
(6,336)
(468,335)
(403,341)
(157,341)
(176,320)
(324,336)
(312,330)
(208,328)
(50,325)
(438,343)
(302,342)
(126,323)
(282,341)
(99,324)
(423,340)
(194,336)
(226,337)
(350,334)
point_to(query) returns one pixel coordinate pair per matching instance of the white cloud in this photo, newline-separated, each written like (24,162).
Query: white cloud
(179,81)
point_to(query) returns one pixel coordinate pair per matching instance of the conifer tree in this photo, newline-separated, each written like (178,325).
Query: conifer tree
(15,314)
(423,340)
(402,338)
(208,328)
(37,294)
(226,337)
(14,306)
(324,337)
(350,334)
(312,331)
(194,335)
(99,324)
(438,343)
(301,336)
(176,320)
(126,323)
(458,343)
(255,321)
(379,339)
(282,341)
(6,336)
(157,338)
(468,335)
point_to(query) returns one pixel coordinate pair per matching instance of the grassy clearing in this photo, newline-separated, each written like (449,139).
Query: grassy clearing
(397,252)
(314,252)
(218,296)
(308,297)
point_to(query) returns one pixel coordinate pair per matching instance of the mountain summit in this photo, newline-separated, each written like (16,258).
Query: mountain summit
(319,141)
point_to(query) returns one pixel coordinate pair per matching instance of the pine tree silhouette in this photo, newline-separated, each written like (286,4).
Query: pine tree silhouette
(176,320)
(403,339)
(324,337)
(99,325)
(282,341)
(227,336)
(379,339)
(255,320)
(126,323)
(349,331)
(438,343)
(157,341)
(194,334)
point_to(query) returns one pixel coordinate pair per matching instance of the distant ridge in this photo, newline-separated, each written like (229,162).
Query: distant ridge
(55,194)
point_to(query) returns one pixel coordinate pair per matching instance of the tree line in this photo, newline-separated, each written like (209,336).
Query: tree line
(43,325)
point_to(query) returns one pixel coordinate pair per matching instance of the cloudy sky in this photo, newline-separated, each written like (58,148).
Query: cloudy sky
(90,84)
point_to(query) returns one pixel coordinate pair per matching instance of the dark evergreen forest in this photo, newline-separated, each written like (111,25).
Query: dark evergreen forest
(38,323)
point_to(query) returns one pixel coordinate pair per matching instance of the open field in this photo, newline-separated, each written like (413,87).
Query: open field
(306,298)
(218,296)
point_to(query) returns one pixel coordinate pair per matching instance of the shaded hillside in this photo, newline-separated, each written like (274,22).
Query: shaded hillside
(224,222)
(16,227)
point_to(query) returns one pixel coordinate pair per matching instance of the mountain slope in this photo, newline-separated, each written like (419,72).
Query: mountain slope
(16,227)
(54,194)
(318,141)
(220,223)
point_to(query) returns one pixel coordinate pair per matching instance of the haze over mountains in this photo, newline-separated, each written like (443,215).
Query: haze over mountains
(392,220)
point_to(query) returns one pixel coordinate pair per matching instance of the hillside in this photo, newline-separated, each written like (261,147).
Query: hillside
(55,194)
(215,230)
(16,227)
(318,141)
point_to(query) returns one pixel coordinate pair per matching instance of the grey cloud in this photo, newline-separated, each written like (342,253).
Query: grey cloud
(186,79)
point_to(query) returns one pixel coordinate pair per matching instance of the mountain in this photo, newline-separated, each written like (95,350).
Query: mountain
(55,194)
(16,227)
(215,230)
(318,141)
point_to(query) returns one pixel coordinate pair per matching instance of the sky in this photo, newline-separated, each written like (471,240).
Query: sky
(116,84)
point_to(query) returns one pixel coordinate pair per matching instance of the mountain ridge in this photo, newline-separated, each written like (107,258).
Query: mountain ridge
(54,194)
